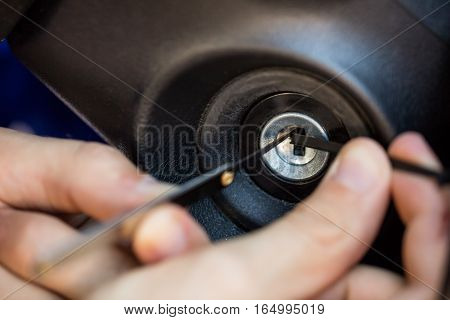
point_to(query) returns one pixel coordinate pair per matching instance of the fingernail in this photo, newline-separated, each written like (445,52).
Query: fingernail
(355,169)
(168,232)
(149,187)
(146,185)
(426,155)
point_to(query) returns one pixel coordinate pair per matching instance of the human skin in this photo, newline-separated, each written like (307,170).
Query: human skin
(312,252)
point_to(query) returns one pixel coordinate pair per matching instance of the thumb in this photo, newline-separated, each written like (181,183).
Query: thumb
(296,257)
(331,230)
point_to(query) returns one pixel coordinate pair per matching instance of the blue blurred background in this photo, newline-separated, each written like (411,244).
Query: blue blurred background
(27,105)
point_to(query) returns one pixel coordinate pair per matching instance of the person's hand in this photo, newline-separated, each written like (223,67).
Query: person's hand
(424,209)
(311,252)
(61,176)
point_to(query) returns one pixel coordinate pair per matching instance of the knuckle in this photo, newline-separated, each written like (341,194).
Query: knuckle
(329,235)
(334,195)
(95,150)
(24,255)
(316,227)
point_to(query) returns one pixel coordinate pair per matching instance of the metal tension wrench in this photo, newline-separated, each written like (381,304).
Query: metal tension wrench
(204,185)
(299,139)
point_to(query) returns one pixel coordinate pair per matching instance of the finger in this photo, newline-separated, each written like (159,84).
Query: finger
(298,256)
(338,223)
(365,283)
(14,288)
(168,231)
(26,237)
(66,175)
(422,207)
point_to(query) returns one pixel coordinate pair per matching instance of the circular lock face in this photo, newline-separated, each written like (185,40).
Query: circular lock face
(283,160)
(254,109)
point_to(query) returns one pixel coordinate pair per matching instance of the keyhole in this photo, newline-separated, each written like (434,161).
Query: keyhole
(299,150)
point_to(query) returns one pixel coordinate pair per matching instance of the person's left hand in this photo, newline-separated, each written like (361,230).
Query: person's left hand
(44,175)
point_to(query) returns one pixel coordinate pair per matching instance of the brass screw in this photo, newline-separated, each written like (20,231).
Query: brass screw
(227,178)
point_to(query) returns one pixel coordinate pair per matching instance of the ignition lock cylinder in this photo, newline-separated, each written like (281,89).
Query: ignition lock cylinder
(255,109)
(288,161)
